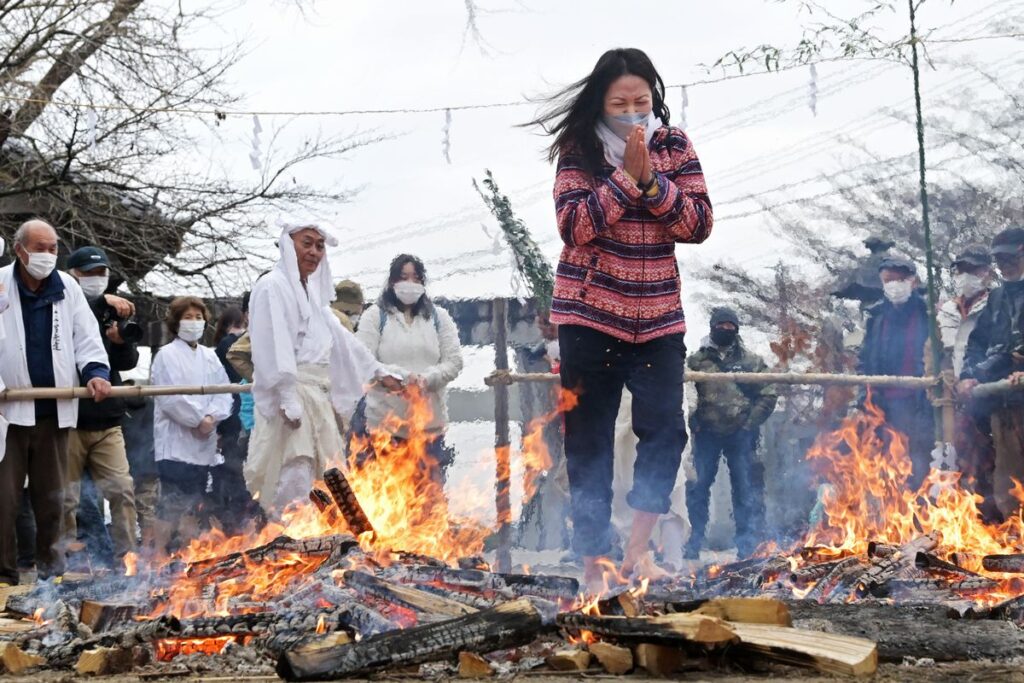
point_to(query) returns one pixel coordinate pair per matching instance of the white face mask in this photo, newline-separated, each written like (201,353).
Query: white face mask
(898,291)
(94,286)
(41,264)
(623,124)
(409,292)
(191,330)
(968,285)
(554,353)
(354,319)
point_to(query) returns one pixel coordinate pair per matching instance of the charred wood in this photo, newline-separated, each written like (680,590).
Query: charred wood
(1010,564)
(348,504)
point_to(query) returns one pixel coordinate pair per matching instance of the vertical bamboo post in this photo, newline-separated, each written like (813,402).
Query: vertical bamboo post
(502,440)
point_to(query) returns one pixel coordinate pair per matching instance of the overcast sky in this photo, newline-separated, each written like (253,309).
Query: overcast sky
(752,134)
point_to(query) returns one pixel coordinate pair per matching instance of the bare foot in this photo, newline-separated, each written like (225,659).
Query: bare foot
(639,538)
(600,575)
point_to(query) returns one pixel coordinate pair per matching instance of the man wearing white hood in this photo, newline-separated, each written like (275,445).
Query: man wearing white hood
(306,368)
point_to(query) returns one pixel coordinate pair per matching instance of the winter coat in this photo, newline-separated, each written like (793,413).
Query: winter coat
(955,328)
(997,332)
(617,272)
(728,407)
(895,339)
(108,414)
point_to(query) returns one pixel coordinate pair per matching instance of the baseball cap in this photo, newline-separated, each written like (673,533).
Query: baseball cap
(1009,241)
(897,262)
(88,258)
(973,256)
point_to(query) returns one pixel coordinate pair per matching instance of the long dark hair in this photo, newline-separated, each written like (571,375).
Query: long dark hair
(572,113)
(388,300)
(231,317)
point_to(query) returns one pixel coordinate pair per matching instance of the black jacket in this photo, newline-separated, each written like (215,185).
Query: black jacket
(997,333)
(107,414)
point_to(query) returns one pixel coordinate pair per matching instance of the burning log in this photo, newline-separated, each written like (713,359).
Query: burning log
(805,576)
(665,629)
(508,625)
(886,568)
(477,602)
(877,549)
(137,634)
(362,619)
(974,585)
(544,586)
(406,596)
(320,545)
(828,584)
(1010,564)
(931,562)
(348,504)
(321,499)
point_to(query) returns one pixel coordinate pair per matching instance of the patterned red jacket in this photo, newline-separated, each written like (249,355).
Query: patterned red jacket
(618,271)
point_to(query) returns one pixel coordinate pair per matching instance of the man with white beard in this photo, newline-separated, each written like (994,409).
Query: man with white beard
(307,367)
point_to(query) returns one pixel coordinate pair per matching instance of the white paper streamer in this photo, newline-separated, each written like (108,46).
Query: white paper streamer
(92,129)
(814,90)
(255,154)
(682,110)
(446,140)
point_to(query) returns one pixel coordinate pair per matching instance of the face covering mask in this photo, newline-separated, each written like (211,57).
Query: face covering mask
(898,291)
(191,330)
(94,286)
(623,124)
(968,285)
(409,292)
(354,319)
(554,353)
(723,337)
(41,264)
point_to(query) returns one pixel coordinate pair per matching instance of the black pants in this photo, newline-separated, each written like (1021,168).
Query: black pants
(597,366)
(233,504)
(745,476)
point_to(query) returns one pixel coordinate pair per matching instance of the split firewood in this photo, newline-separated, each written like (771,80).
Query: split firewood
(615,659)
(137,634)
(105,661)
(883,569)
(937,565)
(14,660)
(821,651)
(8,591)
(827,584)
(622,604)
(877,549)
(747,610)
(659,660)
(806,576)
(544,586)
(1004,563)
(666,628)
(406,596)
(569,660)
(100,616)
(12,627)
(507,625)
(348,504)
(472,665)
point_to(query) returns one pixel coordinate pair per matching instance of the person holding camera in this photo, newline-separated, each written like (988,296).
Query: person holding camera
(995,351)
(97,445)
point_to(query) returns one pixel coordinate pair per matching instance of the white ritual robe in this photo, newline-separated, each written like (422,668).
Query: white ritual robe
(175,417)
(306,367)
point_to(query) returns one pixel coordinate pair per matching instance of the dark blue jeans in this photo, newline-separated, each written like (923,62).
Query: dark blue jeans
(745,476)
(92,525)
(597,366)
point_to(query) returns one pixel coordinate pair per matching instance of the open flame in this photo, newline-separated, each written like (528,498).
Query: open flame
(867,466)
(400,495)
(131,564)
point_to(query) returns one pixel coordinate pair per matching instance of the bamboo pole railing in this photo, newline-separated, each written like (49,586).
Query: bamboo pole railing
(31,394)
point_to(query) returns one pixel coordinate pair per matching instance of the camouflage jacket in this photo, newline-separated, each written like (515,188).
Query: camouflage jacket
(727,407)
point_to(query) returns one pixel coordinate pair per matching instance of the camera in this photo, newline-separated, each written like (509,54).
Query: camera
(131,332)
(1000,362)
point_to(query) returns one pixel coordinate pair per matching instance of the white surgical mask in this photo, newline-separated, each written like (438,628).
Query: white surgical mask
(94,285)
(623,124)
(354,319)
(409,292)
(968,285)
(554,353)
(41,264)
(898,291)
(191,330)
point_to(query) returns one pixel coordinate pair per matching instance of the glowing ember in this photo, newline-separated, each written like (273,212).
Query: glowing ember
(168,648)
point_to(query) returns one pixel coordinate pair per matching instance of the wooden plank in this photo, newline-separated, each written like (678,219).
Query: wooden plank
(472,665)
(105,661)
(14,660)
(7,591)
(826,652)
(615,659)
(10,626)
(502,441)
(406,596)
(569,660)
(507,625)
(666,629)
(748,610)
(659,660)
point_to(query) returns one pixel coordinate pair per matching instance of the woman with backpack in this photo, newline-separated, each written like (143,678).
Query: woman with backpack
(418,341)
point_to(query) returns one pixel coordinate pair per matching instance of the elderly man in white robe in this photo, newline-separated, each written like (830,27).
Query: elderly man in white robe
(307,368)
